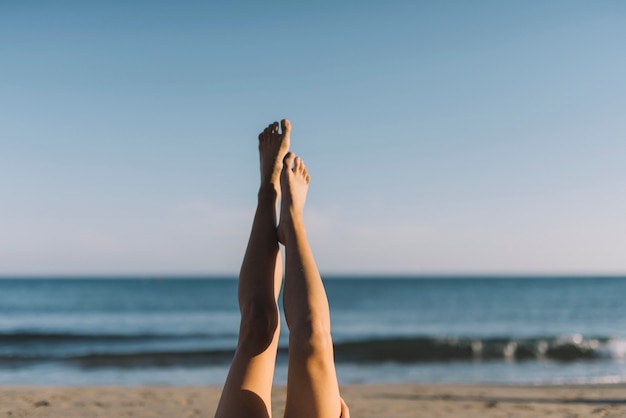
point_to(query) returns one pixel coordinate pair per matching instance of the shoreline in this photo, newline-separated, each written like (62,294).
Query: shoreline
(365,401)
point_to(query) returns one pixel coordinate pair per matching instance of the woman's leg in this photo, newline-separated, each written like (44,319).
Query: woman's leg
(247,391)
(312,388)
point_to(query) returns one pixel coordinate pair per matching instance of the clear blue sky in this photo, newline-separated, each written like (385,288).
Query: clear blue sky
(442,137)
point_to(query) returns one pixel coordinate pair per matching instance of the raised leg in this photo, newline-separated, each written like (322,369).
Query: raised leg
(312,388)
(247,391)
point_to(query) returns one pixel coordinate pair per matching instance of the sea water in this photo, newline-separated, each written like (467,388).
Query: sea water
(183,331)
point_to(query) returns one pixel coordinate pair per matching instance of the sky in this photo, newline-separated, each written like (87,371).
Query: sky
(452,137)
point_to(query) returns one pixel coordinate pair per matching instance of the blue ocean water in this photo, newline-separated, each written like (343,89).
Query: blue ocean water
(181,331)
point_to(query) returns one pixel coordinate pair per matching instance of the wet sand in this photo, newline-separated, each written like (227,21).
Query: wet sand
(365,401)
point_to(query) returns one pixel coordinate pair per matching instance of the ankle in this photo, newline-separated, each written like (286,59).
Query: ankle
(268,192)
(290,229)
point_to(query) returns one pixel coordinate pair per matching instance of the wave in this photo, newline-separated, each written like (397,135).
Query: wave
(398,350)
(127,360)
(427,349)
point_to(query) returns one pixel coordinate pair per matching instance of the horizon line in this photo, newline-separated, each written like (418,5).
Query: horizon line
(330,275)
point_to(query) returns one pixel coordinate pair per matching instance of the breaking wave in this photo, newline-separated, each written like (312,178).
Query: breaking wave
(94,351)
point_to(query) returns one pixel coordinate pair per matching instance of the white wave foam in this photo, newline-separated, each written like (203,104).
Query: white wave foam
(615,348)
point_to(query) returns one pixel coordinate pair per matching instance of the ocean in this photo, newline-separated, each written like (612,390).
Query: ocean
(182,331)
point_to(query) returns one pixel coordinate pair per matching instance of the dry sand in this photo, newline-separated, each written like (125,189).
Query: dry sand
(365,401)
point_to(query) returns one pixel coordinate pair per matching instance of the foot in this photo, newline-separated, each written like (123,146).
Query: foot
(272,149)
(294,182)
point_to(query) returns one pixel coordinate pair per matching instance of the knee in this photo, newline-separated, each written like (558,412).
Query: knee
(259,324)
(310,338)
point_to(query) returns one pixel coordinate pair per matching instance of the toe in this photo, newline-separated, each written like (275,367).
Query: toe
(286,126)
(297,164)
(289,159)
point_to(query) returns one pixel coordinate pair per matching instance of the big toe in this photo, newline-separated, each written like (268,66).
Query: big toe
(286,126)
(289,159)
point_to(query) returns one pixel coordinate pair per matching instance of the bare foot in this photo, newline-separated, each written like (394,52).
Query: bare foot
(294,183)
(272,149)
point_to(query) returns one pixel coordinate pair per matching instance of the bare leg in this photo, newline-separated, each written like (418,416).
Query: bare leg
(312,388)
(247,391)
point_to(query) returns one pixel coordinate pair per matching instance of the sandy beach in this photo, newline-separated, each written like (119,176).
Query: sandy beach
(365,401)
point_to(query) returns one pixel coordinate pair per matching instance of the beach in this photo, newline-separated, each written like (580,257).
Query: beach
(365,401)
